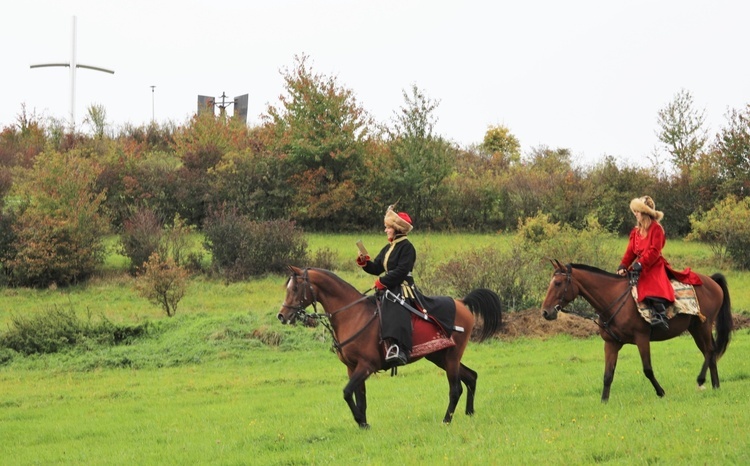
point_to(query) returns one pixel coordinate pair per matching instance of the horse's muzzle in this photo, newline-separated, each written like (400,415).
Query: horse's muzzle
(550,314)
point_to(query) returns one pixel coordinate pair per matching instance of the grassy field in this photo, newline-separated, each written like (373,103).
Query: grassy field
(537,402)
(223,382)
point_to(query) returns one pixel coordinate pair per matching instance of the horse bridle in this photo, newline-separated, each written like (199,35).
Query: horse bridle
(300,309)
(325,317)
(559,307)
(605,325)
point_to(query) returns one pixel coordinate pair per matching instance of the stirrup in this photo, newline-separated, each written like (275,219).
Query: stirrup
(659,320)
(393,352)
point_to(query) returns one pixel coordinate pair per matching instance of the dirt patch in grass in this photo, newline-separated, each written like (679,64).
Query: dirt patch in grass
(530,323)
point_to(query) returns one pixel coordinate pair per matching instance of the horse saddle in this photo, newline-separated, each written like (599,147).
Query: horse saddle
(686,302)
(432,329)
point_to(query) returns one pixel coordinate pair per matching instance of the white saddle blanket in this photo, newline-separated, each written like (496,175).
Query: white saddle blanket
(686,302)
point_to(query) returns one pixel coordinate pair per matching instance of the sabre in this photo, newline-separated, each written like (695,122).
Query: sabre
(393,297)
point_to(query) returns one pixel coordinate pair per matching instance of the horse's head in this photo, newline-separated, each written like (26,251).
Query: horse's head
(561,291)
(299,294)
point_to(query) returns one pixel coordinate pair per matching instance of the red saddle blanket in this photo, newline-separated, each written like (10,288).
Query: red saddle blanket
(427,337)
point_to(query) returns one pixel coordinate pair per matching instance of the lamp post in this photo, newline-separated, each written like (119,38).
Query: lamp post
(152,103)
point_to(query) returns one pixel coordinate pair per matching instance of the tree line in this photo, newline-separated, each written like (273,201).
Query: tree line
(319,161)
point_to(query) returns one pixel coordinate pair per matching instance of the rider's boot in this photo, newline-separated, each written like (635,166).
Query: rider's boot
(659,315)
(395,354)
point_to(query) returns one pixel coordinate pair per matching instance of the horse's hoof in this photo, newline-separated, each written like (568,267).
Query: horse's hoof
(701,387)
(364,426)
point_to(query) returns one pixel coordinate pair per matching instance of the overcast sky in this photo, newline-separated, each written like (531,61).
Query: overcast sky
(589,76)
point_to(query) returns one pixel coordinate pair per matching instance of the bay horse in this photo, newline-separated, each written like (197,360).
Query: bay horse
(353,320)
(620,322)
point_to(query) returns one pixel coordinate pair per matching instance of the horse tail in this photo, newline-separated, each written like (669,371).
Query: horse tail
(724,321)
(486,304)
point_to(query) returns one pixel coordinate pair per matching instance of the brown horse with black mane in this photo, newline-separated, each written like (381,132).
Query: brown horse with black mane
(620,322)
(353,319)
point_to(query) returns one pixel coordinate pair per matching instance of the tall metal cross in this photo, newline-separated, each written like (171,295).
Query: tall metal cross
(73,65)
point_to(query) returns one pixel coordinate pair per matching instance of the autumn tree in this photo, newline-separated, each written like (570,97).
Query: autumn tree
(502,146)
(20,143)
(321,131)
(200,146)
(59,225)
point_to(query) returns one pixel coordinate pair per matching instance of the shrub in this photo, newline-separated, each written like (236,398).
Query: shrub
(141,237)
(59,224)
(506,273)
(325,258)
(57,328)
(8,243)
(726,228)
(176,240)
(144,235)
(162,282)
(520,274)
(548,240)
(241,247)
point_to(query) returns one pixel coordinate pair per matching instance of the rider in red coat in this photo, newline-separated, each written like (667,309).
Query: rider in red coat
(643,255)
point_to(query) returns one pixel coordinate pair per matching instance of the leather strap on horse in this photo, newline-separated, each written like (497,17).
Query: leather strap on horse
(605,325)
(326,323)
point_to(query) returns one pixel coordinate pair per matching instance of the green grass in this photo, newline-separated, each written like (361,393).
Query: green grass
(537,401)
(223,382)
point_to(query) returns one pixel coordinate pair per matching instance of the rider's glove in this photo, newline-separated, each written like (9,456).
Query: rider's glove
(379,286)
(362,260)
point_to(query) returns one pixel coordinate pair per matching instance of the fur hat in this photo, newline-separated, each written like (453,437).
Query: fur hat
(646,206)
(400,222)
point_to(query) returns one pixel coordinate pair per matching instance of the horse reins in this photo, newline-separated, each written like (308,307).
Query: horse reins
(325,318)
(604,326)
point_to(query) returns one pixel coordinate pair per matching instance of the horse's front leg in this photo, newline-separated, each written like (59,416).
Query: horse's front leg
(644,348)
(355,394)
(611,350)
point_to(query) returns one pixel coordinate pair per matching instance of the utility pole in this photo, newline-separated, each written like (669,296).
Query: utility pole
(152,103)
(73,65)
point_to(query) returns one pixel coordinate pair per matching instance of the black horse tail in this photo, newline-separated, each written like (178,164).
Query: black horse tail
(724,321)
(486,304)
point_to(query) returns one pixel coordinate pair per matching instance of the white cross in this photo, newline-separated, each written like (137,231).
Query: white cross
(73,65)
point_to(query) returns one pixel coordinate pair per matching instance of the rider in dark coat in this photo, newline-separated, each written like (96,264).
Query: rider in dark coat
(396,260)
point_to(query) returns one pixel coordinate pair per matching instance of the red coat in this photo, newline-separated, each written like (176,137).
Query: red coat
(654,281)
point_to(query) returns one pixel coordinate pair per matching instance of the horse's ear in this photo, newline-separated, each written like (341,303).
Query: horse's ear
(293,269)
(559,265)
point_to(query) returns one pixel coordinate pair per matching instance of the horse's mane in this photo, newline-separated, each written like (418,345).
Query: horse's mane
(592,269)
(335,277)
